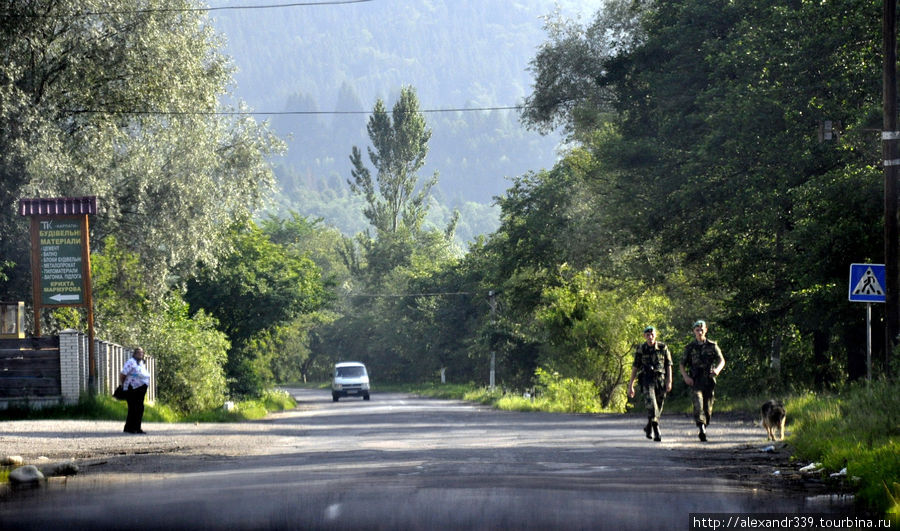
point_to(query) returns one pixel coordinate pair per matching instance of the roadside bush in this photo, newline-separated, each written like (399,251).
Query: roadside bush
(591,324)
(567,395)
(859,429)
(278,400)
(190,355)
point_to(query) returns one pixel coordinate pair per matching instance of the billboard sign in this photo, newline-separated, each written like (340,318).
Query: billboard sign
(60,250)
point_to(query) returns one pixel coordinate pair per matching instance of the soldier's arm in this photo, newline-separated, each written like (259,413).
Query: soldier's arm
(634,372)
(668,364)
(721,365)
(684,375)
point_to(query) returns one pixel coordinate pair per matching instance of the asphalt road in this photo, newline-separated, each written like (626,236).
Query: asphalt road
(399,462)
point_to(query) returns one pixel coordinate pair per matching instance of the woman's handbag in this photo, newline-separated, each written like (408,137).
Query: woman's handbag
(119,393)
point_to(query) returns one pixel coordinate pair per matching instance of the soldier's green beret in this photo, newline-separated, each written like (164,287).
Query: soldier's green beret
(699,323)
(650,329)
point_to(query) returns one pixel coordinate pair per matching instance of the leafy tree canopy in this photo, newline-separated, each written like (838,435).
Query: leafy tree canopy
(116,99)
(399,146)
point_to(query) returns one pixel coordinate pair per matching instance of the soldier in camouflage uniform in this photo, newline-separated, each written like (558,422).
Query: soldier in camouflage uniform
(653,363)
(701,363)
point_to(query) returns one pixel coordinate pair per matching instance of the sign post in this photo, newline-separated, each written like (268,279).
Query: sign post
(61,260)
(867,284)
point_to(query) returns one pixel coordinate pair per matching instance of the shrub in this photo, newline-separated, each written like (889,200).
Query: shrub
(567,395)
(857,429)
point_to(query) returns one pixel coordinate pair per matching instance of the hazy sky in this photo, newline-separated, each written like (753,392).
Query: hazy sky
(258,34)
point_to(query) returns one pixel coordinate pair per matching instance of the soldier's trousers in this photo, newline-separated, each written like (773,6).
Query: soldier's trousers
(654,398)
(702,399)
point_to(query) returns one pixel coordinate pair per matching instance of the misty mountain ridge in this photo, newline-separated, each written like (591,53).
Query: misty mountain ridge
(336,60)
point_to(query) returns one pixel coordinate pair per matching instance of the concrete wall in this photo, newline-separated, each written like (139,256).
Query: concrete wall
(108,358)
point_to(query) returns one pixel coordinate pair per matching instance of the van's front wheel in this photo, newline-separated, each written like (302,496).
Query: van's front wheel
(334,397)
(366,396)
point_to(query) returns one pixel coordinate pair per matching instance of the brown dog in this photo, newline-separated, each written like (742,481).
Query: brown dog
(773,416)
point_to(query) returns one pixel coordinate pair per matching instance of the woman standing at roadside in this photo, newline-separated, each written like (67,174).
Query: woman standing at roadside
(135,378)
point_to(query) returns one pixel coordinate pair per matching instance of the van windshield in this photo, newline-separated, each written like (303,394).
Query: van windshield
(350,372)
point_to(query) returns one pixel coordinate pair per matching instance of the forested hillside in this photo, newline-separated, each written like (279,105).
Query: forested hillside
(338,59)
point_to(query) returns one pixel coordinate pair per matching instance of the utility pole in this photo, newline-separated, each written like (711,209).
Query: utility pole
(492,301)
(889,138)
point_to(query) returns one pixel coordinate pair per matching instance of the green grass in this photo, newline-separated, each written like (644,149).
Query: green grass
(107,408)
(858,429)
(430,390)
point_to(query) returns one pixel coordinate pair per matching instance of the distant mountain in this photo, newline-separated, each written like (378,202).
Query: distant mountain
(336,59)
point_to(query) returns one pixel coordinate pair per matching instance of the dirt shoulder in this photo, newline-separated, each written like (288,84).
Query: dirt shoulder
(767,465)
(102,448)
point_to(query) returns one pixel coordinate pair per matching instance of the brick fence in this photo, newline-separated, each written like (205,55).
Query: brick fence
(47,371)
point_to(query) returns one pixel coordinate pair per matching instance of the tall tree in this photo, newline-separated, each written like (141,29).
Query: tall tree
(713,157)
(399,147)
(117,99)
(256,288)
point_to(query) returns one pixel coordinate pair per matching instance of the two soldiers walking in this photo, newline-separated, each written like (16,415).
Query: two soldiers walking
(701,362)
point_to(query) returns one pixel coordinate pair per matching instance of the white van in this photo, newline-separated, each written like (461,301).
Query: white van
(350,379)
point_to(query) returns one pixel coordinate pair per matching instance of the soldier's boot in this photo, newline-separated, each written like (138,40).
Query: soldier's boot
(656,436)
(647,429)
(702,434)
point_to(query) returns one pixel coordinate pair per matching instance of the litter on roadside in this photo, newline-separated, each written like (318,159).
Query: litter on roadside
(812,468)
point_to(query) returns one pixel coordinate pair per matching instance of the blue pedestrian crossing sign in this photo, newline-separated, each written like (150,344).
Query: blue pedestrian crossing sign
(867,283)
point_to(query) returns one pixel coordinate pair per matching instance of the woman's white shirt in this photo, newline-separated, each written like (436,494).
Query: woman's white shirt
(136,374)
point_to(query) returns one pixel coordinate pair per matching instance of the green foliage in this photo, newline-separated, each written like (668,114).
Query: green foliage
(893,493)
(79,95)
(591,328)
(190,352)
(257,284)
(89,407)
(403,287)
(484,395)
(268,401)
(569,395)
(399,146)
(857,429)
(255,289)
(705,168)
(107,408)
(190,357)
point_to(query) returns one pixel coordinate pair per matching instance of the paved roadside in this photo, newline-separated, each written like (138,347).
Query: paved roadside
(104,453)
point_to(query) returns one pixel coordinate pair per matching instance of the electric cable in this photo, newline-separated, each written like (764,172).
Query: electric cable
(275,113)
(184,9)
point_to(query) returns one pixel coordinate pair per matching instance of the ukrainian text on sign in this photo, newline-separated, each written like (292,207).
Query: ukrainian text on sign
(62,263)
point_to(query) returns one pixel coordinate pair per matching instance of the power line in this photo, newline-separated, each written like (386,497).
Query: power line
(402,295)
(186,9)
(273,113)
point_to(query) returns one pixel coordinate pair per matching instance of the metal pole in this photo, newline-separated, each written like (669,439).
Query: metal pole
(868,341)
(890,137)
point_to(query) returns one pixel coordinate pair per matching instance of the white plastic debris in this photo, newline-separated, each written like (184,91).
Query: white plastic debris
(768,449)
(812,468)
(842,473)
(776,473)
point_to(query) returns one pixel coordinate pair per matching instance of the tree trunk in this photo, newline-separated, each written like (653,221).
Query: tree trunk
(820,358)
